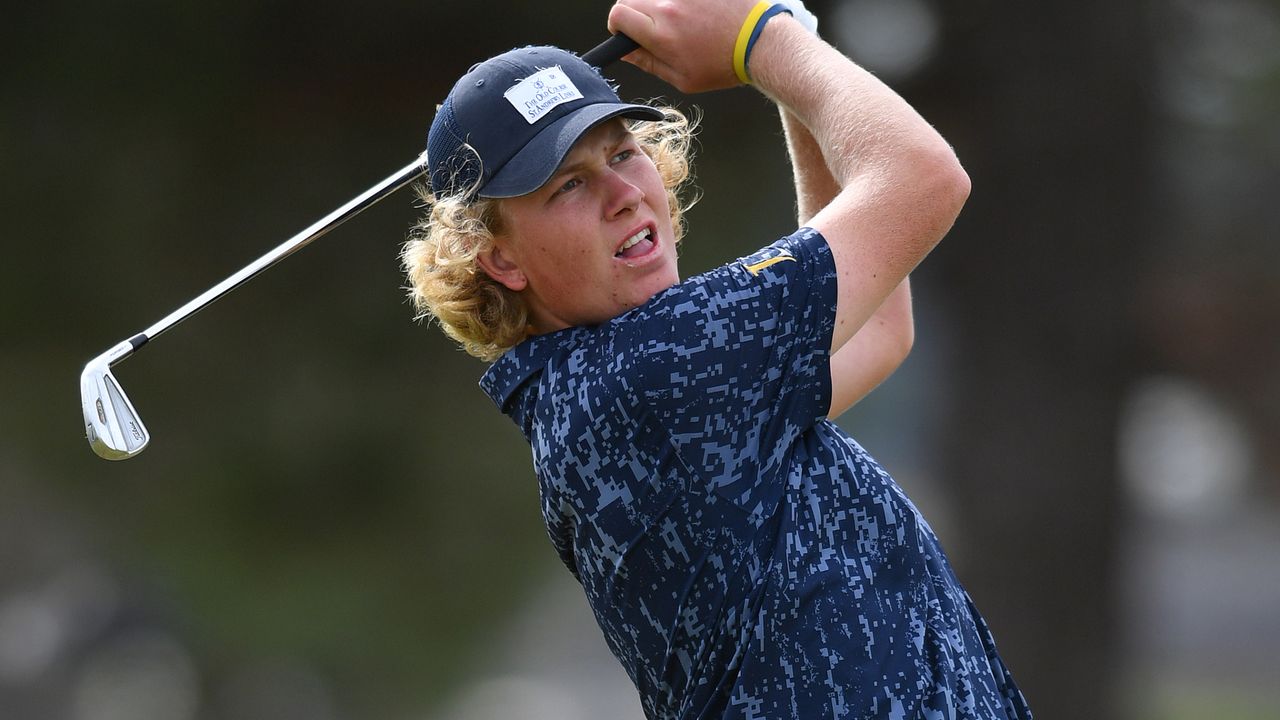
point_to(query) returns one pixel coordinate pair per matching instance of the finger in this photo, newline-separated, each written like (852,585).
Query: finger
(633,22)
(640,58)
(648,62)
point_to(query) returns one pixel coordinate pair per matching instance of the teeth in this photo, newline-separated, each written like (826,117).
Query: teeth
(631,241)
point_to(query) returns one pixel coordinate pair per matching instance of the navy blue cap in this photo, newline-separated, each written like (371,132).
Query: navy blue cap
(509,122)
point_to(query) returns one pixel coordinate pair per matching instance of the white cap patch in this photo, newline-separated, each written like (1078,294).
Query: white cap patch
(539,94)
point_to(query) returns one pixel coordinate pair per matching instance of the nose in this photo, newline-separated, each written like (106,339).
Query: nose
(622,196)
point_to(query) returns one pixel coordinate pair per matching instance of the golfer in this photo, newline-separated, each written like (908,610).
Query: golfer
(743,556)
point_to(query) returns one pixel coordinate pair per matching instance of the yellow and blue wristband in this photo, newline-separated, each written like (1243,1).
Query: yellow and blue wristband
(750,33)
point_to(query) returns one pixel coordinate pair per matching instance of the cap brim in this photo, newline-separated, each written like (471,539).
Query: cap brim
(537,161)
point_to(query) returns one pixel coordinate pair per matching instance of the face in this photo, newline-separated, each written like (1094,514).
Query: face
(593,242)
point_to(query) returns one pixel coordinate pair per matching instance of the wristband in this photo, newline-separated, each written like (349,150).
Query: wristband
(750,32)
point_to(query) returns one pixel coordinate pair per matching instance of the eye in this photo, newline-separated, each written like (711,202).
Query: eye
(568,185)
(624,156)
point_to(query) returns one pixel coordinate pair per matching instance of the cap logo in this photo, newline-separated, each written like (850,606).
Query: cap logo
(540,93)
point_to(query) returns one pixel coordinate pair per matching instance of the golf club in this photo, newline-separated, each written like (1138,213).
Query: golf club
(112,425)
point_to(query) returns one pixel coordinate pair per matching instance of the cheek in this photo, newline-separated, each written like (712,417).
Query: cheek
(656,192)
(566,264)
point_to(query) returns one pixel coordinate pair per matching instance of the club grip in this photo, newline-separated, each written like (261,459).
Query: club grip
(610,51)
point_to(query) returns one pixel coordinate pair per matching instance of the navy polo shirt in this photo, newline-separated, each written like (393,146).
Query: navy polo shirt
(744,557)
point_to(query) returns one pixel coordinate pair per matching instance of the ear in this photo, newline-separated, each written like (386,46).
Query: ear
(500,264)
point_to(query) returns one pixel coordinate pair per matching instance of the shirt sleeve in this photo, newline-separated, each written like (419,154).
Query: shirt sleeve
(735,363)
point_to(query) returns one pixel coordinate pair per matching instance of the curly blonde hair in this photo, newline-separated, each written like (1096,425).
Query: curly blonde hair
(446,282)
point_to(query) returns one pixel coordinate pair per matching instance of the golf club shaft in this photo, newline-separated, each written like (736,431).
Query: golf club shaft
(402,177)
(606,53)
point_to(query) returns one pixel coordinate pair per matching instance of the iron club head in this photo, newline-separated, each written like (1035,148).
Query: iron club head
(114,430)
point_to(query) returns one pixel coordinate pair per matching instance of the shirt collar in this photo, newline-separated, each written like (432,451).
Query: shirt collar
(509,372)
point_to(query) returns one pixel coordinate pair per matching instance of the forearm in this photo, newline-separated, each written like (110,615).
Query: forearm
(858,124)
(815,188)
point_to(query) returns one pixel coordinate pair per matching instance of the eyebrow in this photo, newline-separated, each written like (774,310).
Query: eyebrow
(620,133)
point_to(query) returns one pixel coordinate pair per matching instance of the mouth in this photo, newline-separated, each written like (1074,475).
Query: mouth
(638,245)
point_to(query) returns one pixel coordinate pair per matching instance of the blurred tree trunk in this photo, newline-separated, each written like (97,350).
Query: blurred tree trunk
(1048,106)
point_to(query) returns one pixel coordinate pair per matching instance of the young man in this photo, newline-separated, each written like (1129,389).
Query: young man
(744,557)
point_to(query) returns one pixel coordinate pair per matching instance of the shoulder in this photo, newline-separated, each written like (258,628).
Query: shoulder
(803,255)
(806,248)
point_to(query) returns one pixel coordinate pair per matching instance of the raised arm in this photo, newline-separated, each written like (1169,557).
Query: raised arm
(899,184)
(880,346)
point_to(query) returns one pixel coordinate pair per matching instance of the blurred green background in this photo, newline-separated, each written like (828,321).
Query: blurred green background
(333,522)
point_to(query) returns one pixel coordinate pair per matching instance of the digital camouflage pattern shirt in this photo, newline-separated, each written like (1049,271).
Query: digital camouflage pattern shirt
(744,557)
